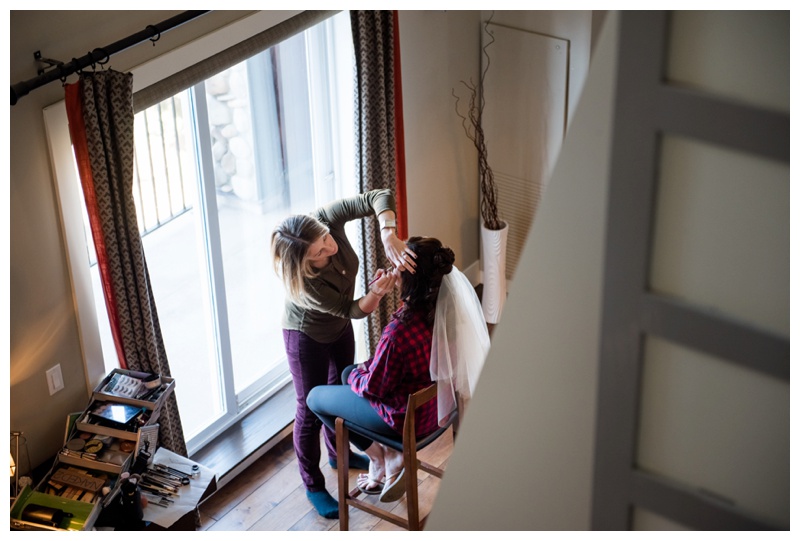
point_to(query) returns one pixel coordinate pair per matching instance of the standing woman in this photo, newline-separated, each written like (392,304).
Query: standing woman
(318,266)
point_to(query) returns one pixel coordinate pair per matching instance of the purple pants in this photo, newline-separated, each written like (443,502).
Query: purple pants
(311,364)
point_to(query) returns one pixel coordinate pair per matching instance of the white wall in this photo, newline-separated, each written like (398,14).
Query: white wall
(573,26)
(439,49)
(523,459)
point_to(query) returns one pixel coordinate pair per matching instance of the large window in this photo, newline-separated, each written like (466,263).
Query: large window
(216,168)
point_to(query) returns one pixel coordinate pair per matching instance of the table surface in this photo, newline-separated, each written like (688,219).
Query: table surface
(198,489)
(180,515)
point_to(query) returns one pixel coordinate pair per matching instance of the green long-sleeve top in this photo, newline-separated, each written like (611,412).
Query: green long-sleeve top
(331,291)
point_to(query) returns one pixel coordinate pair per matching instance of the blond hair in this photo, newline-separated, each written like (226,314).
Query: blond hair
(290,242)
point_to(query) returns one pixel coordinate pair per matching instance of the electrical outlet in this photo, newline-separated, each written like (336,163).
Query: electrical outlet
(55,382)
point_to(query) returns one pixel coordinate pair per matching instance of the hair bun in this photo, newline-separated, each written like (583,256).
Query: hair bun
(443,259)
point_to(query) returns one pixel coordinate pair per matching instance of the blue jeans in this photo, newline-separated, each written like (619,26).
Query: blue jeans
(332,401)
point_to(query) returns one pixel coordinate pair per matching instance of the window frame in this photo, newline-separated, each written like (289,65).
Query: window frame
(70,205)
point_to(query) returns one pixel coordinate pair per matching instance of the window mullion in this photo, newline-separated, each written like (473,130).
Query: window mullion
(207,202)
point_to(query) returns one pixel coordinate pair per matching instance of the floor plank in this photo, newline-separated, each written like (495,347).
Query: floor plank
(244,484)
(270,496)
(205,522)
(247,437)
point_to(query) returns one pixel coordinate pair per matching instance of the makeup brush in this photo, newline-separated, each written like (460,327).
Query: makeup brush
(369,285)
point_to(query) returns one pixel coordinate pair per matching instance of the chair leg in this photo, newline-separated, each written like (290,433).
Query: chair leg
(412,489)
(343,467)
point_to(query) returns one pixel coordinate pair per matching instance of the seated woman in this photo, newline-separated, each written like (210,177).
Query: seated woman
(375,394)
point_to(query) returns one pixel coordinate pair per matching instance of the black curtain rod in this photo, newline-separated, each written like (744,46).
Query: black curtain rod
(100,55)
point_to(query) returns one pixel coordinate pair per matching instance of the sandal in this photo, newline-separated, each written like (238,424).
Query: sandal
(394,490)
(364,480)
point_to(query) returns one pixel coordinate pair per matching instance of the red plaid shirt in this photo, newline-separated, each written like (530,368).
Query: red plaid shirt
(401,366)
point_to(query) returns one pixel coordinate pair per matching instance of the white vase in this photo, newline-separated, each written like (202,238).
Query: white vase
(493,244)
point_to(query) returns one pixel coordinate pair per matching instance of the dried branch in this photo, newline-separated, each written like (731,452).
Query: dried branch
(471,121)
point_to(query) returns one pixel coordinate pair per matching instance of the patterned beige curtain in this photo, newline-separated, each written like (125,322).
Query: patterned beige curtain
(100,112)
(376,166)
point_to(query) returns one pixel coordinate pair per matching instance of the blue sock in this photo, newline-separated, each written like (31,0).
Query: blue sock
(324,503)
(357,462)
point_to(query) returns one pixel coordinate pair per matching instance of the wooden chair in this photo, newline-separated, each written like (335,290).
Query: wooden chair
(409,445)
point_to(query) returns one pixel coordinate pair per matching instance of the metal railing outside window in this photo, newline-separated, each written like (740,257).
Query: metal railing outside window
(158,187)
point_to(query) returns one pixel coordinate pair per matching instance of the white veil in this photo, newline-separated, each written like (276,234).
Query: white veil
(460,341)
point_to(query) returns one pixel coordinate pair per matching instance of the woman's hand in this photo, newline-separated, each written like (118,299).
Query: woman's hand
(383,282)
(401,256)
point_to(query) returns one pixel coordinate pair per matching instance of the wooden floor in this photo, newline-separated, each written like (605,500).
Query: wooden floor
(269,495)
